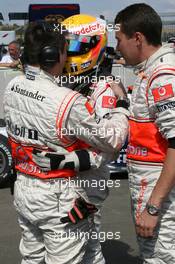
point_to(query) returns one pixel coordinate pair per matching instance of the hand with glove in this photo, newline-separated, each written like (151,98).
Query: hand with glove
(80,211)
(78,160)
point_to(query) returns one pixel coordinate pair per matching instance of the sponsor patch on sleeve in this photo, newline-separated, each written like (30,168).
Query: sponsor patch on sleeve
(165,107)
(163,92)
(109,102)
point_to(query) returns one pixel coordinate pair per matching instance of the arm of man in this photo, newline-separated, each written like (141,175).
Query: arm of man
(6,61)
(10,65)
(5,64)
(163,104)
(82,160)
(104,102)
(147,223)
(108,135)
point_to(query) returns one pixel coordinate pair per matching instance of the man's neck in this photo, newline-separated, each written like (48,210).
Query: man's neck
(148,51)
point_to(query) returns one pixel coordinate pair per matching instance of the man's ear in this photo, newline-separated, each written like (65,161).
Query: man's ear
(138,38)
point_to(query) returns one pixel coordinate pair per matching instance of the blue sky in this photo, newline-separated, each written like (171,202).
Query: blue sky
(109,8)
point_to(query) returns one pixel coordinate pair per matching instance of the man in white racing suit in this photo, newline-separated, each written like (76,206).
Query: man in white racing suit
(92,175)
(151,148)
(37,113)
(103,100)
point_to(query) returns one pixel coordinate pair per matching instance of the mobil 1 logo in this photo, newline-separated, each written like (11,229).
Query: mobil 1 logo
(22,131)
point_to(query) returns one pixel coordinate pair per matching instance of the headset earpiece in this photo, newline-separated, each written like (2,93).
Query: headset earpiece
(49,55)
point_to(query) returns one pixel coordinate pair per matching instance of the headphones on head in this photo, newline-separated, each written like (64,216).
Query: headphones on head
(49,55)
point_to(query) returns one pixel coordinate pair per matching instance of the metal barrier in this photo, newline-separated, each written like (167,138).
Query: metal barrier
(5,76)
(125,74)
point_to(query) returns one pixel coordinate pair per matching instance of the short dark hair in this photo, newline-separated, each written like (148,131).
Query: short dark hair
(141,18)
(37,36)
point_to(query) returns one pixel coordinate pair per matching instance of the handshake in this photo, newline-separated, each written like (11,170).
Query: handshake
(78,160)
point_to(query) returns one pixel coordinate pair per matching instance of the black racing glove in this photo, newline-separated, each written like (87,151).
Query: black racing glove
(80,211)
(78,160)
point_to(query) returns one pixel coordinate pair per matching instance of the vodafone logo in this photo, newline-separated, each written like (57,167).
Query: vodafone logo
(88,29)
(109,102)
(96,26)
(162,91)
